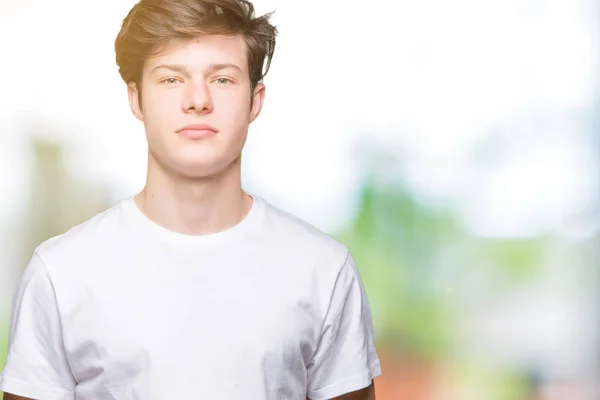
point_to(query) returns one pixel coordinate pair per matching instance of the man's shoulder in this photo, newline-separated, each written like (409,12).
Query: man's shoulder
(82,238)
(288,230)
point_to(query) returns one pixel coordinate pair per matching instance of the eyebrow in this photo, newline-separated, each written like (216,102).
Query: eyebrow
(183,70)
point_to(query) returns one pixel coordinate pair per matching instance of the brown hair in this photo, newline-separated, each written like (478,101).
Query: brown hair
(153,25)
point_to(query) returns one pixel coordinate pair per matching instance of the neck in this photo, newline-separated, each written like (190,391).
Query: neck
(196,206)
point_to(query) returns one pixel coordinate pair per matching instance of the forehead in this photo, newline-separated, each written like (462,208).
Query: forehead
(203,51)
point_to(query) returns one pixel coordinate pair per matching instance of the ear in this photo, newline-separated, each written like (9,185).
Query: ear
(134,102)
(258,97)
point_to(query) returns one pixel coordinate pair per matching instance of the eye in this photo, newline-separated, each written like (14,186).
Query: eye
(169,81)
(223,81)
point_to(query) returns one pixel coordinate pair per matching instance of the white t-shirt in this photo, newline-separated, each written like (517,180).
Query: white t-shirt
(122,308)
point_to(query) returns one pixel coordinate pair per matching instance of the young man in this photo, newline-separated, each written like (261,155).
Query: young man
(192,288)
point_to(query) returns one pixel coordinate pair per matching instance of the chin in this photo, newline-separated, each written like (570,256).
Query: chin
(197,163)
(204,169)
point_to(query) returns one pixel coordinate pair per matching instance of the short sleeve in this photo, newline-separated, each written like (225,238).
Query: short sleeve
(36,365)
(345,359)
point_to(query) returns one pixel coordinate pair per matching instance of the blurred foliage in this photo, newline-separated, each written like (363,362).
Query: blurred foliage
(517,258)
(394,242)
(469,380)
(3,343)
(409,253)
(58,200)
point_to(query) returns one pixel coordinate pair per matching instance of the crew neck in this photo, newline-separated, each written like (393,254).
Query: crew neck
(154,231)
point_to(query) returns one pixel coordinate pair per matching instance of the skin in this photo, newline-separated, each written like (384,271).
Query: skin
(367,393)
(193,186)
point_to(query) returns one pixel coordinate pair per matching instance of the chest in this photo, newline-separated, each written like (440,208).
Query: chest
(223,321)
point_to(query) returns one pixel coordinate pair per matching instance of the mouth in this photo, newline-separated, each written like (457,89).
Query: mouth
(199,131)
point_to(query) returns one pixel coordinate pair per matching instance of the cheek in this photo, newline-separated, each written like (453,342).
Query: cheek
(236,108)
(159,113)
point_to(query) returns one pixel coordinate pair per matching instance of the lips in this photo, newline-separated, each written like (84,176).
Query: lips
(197,131)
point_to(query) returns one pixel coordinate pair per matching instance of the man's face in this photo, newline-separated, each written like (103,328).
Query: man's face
(202,83)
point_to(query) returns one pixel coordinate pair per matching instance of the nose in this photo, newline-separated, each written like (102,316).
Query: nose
(197,99)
